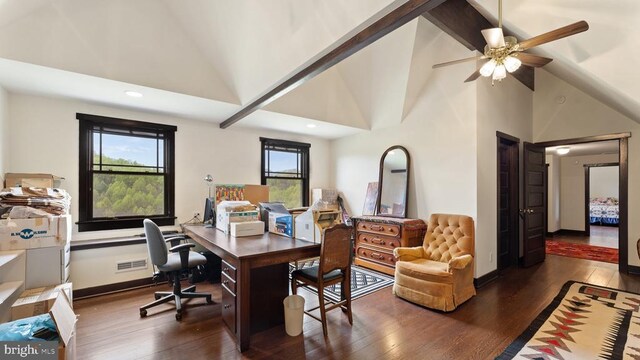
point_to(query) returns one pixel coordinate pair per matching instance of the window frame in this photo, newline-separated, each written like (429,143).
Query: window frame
(87,124)
(302,149)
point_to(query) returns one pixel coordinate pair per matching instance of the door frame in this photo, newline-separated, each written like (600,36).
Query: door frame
(623,180)
(587,193)
(514,185)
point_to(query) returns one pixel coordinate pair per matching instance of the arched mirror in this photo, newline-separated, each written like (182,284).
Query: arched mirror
(393,182)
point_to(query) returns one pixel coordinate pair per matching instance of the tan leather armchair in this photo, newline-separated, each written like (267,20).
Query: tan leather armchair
(438,274)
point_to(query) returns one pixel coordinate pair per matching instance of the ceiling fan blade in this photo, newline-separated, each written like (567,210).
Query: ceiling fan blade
(533,60)
(553,35)
(494,37)
(473,76)
(479,57)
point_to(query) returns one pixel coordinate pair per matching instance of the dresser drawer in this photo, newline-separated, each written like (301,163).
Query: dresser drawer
(376,255)
(229,270)
(379,228)
(382,241)
(227,282)
(229,309)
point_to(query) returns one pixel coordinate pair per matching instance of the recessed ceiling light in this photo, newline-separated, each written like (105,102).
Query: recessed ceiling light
(133,93)
(563,150)
(311,126)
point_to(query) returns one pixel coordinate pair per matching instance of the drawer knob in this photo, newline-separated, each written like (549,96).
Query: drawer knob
(226,269)
(226,306)
(226,282)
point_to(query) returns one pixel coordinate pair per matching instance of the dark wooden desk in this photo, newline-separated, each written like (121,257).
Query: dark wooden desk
(255,277)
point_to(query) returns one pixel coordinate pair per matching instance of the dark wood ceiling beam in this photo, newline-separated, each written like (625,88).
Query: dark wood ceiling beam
(368,32)
(463,22)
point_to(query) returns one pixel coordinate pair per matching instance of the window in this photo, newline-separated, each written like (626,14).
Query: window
(126,173)
(285,168)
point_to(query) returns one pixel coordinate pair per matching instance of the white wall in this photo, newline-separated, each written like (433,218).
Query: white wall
(507,107)
(581,115)
(553,193)
(604,181)
(45,139)
(4,134)
(572,188)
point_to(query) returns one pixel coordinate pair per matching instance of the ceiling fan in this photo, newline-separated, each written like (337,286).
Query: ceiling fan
(506,55)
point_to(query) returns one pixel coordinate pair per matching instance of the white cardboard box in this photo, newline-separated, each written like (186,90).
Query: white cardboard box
(21,234)
(38,301)
(248,228)
(225,217)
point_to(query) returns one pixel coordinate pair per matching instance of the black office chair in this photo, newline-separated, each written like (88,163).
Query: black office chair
(179,259)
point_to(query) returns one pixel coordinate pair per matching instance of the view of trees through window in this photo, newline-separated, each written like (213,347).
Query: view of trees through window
(116,195)
(288,191)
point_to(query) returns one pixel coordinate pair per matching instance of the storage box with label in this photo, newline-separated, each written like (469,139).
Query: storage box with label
(279,218)
(21,234)
(248,228)
(39,301)
(31,180)
(228,212)
(60,322)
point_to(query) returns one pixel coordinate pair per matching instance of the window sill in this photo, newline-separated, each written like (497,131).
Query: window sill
(112,224)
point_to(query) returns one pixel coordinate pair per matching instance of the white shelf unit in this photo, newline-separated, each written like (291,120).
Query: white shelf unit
(12,278)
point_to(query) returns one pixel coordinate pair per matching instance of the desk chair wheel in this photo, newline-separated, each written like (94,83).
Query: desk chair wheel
(209,300)
(179,315)
(143,313)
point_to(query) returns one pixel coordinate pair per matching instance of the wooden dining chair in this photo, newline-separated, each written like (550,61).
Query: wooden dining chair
(334,268)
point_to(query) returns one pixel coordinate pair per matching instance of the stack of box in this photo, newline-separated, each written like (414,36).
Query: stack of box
(229,212)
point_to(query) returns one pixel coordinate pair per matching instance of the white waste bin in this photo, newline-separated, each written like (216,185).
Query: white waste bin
(293,314)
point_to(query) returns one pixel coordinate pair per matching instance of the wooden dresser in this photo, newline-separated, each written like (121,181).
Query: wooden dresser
(377,236)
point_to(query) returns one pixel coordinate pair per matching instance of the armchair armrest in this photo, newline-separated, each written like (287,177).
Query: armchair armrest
(460,262)
(183,249)
(175,240)
(408,253)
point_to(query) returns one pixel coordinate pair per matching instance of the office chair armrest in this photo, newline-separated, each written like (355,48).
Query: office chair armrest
(183,249)
(175,240)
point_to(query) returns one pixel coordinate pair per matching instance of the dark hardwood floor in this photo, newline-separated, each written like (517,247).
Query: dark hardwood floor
(384,327)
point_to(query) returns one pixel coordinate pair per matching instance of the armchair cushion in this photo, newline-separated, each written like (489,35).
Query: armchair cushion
(408,253)
(460,262)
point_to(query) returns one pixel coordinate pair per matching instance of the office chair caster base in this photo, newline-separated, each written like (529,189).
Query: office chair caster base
(179,315)
(209,300)
(143,313)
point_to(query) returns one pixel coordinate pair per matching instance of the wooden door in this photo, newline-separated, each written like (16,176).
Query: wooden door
(534,211)
(508,252)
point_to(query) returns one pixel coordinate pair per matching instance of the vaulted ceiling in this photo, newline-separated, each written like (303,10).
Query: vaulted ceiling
(204,59)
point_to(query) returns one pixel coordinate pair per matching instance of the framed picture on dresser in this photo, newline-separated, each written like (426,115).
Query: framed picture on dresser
(370,199)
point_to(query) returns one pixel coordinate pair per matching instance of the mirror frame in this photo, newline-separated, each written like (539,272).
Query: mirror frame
(380,183)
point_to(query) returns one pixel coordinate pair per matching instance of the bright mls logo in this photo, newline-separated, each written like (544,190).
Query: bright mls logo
(28,233)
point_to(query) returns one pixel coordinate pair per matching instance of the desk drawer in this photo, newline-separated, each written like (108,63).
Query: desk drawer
(229,270)
(227,282)
(229,309)
(376,255)
(378,228)
(382,241)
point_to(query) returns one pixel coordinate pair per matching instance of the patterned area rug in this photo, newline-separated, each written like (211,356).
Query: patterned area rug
(582,251)
(583,322)
(363,282)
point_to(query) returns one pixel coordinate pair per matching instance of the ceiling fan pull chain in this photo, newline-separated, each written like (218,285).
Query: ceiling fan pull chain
(500,13)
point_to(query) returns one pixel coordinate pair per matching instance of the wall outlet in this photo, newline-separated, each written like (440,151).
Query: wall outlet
(491,256)
(196,213)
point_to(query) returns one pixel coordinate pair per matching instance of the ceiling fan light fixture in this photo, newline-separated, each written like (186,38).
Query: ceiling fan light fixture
(512,63)
(564,150)
(500,72)
(487,69)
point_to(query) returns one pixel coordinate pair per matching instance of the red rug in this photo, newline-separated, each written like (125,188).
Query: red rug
(582,251)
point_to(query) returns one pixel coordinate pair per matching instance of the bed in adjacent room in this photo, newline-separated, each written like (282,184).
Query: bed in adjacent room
(604,211)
